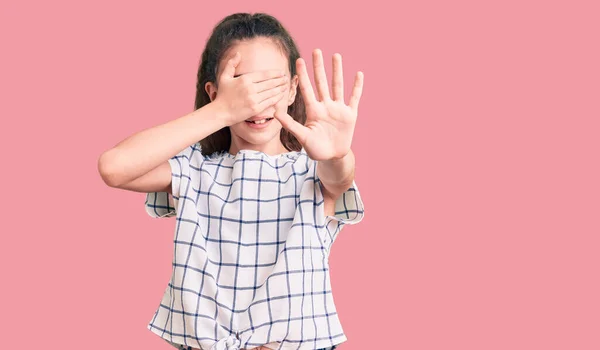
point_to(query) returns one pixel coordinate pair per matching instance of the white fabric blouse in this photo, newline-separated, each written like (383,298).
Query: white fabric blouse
(251,249)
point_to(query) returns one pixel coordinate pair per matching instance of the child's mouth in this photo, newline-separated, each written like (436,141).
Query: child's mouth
(262,121)
(259,124)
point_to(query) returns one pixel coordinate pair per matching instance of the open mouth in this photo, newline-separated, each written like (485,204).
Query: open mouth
(262,121)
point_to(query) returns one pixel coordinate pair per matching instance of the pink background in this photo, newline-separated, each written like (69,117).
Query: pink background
(477,149)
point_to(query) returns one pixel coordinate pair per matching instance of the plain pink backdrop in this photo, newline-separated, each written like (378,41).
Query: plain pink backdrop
(477,148)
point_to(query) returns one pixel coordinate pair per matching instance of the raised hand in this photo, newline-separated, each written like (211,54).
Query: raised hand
(242,97)
(327,133)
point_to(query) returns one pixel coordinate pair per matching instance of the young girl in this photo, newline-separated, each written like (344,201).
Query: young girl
(258,201)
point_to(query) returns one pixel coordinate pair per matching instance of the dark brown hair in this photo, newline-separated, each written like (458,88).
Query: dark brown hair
(234,28)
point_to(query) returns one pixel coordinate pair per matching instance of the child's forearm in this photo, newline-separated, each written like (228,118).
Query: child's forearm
(337,175)
(145,150)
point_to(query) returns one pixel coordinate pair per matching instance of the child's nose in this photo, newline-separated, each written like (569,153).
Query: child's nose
(268,112)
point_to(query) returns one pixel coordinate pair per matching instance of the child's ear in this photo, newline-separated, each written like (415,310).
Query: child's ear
(293,90)
(211,90)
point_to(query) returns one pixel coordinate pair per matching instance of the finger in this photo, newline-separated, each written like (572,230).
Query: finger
(232,63)
(304,81)
(270,101)
(338,78)
(320,76)
(356,91)
(299,131)
(259,76)
(271,83)
(267,94)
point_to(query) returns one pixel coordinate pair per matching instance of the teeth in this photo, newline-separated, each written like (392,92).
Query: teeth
(262,121)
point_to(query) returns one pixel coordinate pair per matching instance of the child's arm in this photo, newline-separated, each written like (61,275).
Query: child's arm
(327,135)
(336,176)
(140,162)
(156,180)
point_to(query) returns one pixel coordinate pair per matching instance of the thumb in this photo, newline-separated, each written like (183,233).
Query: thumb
(299,131)
(232,63)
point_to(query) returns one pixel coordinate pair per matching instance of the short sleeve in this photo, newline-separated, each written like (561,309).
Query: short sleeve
(165,204)
(349,207)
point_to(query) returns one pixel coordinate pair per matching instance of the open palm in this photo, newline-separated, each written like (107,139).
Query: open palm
(327,133)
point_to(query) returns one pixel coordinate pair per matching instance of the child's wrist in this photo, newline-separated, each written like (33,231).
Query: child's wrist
(216,114)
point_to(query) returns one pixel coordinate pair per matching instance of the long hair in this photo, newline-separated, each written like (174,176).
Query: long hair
(232,29)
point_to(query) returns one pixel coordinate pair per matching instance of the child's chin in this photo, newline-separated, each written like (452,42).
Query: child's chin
(262,137)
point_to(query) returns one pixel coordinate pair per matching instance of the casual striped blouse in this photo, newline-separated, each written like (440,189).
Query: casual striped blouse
(251,249)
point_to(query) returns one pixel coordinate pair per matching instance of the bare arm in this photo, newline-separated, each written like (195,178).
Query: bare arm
(336,177)
(140,162)
(156,180)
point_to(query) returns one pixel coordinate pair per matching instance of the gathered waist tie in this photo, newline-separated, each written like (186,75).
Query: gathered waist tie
(231,342)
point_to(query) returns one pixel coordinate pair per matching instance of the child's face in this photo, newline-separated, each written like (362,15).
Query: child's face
(256,55)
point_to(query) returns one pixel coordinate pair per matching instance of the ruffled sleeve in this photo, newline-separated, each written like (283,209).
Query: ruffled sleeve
(164,204)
